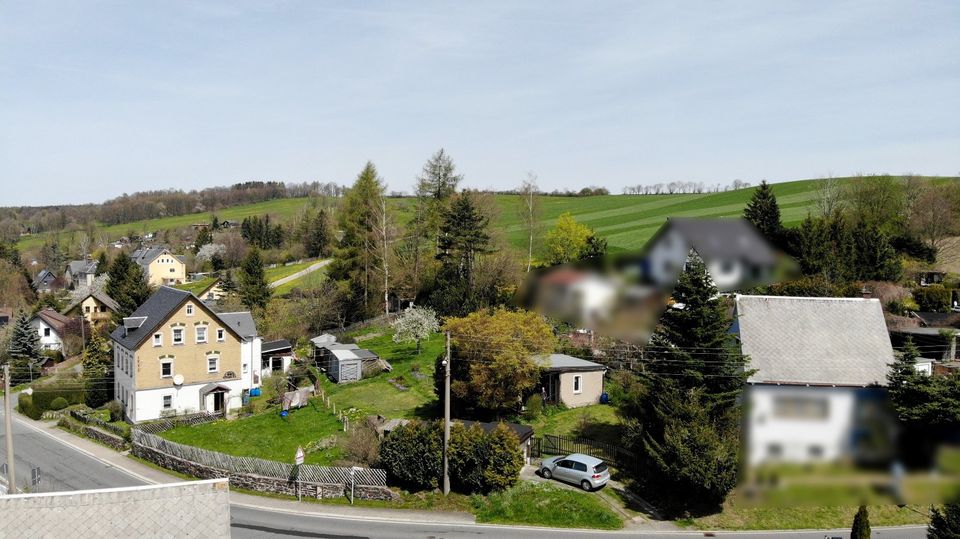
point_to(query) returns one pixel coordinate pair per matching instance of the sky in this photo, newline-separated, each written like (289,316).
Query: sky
(99,98)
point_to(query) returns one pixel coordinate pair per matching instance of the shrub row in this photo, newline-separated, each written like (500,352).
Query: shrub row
(50,397)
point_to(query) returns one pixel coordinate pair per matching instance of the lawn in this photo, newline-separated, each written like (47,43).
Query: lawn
(598,422)
(543,504)
(802,517)
(306,282)
(195,287)
(377,395)
(281,271)
(267,435)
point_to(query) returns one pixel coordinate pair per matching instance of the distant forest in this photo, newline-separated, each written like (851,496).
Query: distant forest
(150,205)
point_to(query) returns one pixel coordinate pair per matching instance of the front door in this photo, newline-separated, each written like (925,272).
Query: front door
(218,402)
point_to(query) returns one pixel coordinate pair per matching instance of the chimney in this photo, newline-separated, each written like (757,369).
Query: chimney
(865,292)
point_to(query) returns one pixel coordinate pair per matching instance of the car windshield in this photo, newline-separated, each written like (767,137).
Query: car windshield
(600,468)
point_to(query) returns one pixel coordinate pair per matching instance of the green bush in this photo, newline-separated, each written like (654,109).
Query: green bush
(933,298)
(116,410)
(503,460)
(59,403)
(25,406)
(412,455)
(481,463)
(70,390)
(534,406)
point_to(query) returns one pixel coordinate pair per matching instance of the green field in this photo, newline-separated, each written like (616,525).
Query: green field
(281,271)
(627,221)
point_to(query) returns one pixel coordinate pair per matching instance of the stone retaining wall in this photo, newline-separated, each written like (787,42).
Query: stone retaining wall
(110,440)
(260,483)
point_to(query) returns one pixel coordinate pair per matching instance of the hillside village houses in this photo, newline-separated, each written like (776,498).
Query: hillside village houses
(160,266)
(95,306)
(820,366)
(80,273)
(175,355)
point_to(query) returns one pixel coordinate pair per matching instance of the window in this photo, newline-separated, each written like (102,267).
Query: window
(801,408)
(189,308)
(816,452)
(213,364)
(167,402)
(172,270)
(166,369)
(578,384)
(46,332)
(221,335)
(245,367)
(579,466)
(177,335)
(158,339)
(264,363)
(86,309)
(568,464)
(201,334)
(774,451)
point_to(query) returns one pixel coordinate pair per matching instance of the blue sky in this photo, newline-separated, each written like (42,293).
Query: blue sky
(102,98)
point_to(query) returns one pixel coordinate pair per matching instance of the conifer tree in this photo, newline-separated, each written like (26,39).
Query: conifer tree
(463,237)
(861,524)
(253,287)
(203,237)
(127,286)
(945,523)
(23,350)
(98,371)
(764,212)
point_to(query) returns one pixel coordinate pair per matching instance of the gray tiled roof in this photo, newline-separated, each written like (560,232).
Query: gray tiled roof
(241,322)
(563,362)
(816,341)
(77,267)
(146,255)
(100,296)
(273,346)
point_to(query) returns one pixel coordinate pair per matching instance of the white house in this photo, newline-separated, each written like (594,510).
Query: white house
(50,326)
(275,357)
(735,253)
(820,363)
(250,346)
(80,273)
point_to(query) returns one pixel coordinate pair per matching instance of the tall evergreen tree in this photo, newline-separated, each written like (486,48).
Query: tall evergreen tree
(253,287)
(861,524)
(317,234)
(102,263)
(127,286)
(945,523)
(97,372)
(203,237)
(23,350)
(876,260)
(764,212)
(358,256)
(463,237)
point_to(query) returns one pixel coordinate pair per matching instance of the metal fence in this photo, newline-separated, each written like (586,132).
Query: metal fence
(550,444)
(261,467)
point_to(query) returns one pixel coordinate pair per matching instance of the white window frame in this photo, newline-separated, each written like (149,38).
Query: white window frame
(167,402)
(197,331)
(173,336)
(189,307)
(157,339)
(221,334)
(577,384)
(166,362)
(216,359)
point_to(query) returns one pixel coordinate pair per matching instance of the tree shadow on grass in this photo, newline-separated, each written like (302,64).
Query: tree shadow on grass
(601,432)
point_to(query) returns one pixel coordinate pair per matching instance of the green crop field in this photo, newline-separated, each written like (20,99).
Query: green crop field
(627,221)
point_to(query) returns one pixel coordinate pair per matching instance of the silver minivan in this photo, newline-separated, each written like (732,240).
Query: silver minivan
(588,472)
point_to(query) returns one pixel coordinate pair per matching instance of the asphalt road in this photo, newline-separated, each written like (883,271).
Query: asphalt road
(67,468)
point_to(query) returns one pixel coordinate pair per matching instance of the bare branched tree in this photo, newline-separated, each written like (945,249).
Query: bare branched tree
(530,212)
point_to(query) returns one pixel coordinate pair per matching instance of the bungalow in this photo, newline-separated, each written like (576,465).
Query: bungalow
(96,307)
(570,380)
(275,357)
(51,327)
(816,391)
(80,273)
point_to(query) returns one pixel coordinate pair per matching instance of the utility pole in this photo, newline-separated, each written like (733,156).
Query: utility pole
(8,425)
(446,418)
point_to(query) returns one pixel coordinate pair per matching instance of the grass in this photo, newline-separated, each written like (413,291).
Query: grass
(598,422)
(195,287)
(543,504)
(377,395)
(281,271)
(308,281)
(267,435)
(805,517)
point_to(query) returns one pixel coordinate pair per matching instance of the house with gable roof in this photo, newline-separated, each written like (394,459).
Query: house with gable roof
(816,393)
(175,355)
(80,273)
(96,307)
(160,266)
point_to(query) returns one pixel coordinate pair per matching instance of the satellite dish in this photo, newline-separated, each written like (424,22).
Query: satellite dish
(178,380)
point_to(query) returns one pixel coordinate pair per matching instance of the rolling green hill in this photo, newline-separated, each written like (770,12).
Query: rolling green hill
(627,221)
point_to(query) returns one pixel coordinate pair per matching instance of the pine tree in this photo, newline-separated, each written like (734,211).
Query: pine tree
(98,371)
(764,212)
(914,396)
(876,260)
(203,237)
(463,237)
(102,263)
(945,523)
(215,223)
(317,234)
(861,524)
(127,286)
(253,287)
(357,258)
(24,349)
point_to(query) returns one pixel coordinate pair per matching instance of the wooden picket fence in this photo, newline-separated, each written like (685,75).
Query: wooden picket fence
(161,425)
(256,466)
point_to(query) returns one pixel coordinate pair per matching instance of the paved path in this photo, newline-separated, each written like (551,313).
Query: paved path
(77,463)
(309,269)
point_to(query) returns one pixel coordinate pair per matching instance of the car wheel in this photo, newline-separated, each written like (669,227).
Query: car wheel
(546,473)
(585,485)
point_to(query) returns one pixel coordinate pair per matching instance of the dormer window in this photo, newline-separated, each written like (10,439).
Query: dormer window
(189,309)
(158,339)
